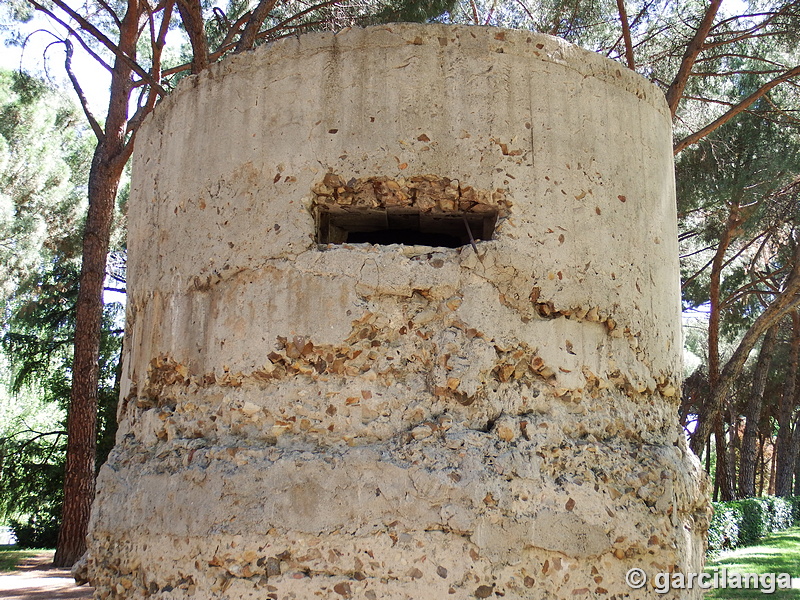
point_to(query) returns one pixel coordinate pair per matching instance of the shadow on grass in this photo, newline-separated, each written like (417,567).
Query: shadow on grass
(10,556)
(778,553)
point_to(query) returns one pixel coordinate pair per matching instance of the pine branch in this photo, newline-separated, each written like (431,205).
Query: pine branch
(706,249)
(285,23)
(225,46)
(95,125)
(192,16)
(259,15)
(111,13)
(697,273)
(71,31)
(708,100)
(729,74)
(741,107)
(157,43)
(38,436)
(761,59)
(723,22)
(693,49)
(747,36)
(626,34)
(100,37)
(787,301)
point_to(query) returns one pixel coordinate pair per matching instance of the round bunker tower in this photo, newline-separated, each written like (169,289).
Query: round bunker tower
(403,323)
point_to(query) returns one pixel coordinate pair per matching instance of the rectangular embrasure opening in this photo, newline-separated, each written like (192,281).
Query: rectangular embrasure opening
(408,227)
(425,210)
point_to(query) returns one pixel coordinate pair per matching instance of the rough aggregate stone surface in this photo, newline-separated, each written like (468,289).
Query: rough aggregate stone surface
(303,420)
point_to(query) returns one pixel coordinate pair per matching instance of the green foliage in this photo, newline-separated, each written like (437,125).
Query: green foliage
(32,432)
(795,502)
(723,531)
(591,25)
(781,513)
(44,163)
(32,446)
(410,11)
(38,341)
(38,531)
(746,522)
(755,523)
(744,164)
(32,437)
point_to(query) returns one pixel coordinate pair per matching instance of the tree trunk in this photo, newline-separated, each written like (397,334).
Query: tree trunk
(626,35)
(710,411)
(192,16)
(81,423)
(784,303)
(723,475)
(752,414)
(108,162)
(794,452)
(785,445)
(715,495)
(761,442)
(797,475)
(693,50)
(771,485)
(734,444)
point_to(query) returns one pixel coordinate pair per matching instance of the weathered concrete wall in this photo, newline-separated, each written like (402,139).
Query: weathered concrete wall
(401,421)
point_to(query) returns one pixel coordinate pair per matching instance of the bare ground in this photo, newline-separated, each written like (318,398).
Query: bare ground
(35,578)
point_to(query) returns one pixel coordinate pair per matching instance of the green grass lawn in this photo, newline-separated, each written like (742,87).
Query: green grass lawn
(778,553)
(10,556)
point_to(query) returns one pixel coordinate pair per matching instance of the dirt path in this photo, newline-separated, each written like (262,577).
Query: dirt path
(36,579)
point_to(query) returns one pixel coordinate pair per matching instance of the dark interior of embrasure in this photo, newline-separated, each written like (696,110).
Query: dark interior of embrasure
(408,227)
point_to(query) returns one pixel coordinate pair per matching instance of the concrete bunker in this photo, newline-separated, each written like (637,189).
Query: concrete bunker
(401,421)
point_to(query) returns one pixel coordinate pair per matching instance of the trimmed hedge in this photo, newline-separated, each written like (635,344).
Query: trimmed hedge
(723,532)
(746,522)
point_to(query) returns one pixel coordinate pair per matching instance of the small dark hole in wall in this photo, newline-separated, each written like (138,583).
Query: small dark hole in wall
(409,227)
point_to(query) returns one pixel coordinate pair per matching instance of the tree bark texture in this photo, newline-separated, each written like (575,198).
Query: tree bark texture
(724,478)
(752,414)
(626,34)
(709,412)
(248,37)
(761,443)
(81,423)
(108,162)
(192,16)
(797,475)
(693,50)
(785,445)
(784,303)
(771,485)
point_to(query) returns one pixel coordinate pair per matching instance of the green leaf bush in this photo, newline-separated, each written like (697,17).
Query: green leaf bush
(781,513)
(39,532)
(746,522)
(723,532)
